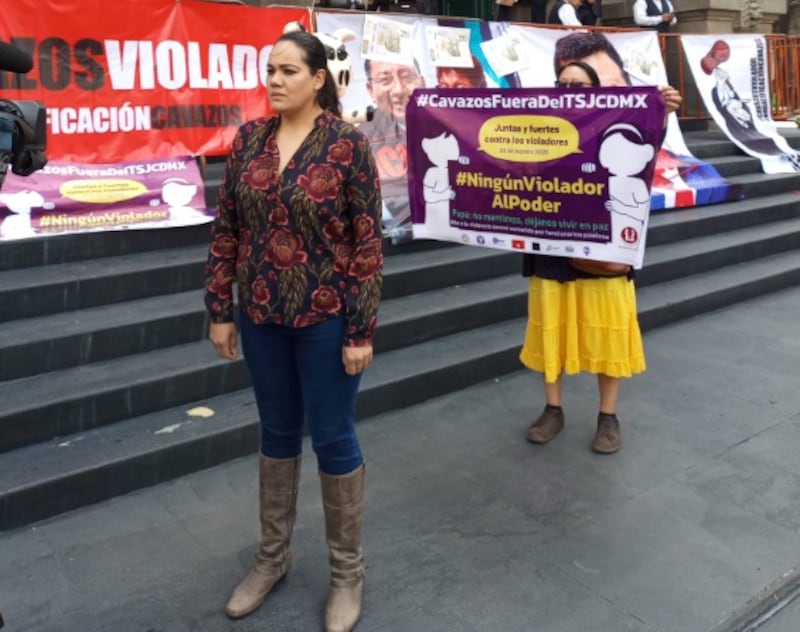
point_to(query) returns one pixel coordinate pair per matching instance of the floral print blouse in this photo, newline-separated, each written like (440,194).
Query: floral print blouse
(302,245)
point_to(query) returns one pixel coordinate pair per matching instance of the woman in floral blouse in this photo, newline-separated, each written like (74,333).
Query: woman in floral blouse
(298,230)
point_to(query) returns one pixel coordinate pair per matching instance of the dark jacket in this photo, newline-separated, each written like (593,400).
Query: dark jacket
(588,14)
(554,18)
(659,7)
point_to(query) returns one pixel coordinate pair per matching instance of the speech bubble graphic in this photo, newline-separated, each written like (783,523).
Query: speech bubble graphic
(526,138)
(106,191)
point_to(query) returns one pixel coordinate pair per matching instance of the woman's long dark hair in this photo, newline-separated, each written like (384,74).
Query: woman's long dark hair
(313,52)
(593,78)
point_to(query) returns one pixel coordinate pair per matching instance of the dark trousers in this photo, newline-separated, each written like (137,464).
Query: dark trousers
(427,7)
(539,11)
(586,15)
(298,375)
(502,13)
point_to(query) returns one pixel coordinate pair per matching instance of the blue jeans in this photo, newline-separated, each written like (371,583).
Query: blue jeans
(298,374)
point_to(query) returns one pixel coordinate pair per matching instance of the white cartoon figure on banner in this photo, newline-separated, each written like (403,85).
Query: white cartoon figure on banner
(178,194)
(21,203)
(436,189)
(624,154)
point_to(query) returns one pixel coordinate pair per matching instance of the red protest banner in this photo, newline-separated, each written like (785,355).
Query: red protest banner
(152,78)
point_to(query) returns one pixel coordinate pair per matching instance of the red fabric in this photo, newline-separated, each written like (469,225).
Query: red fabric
(187,71)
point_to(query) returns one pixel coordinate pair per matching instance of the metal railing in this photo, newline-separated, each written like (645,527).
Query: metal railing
(783,65)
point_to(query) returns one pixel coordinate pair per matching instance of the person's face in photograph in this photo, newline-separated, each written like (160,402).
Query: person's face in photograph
(390,87)
(609,72)
(456,78)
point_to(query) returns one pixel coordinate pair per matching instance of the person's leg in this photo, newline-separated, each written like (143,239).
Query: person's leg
(270,356)
(608,437)
(268,352)
(544,351)
(552,392)
(609,393)
(551,421)
(329,395)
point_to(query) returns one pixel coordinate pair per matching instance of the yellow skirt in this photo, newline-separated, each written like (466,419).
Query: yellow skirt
(584,325)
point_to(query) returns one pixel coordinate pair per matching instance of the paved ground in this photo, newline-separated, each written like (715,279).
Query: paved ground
(787,620)
(470,528)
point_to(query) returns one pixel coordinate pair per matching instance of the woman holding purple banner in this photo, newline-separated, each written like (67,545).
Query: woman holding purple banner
(298,228)
(582,314)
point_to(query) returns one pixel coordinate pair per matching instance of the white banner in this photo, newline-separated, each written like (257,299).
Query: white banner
(405,53)
(730,72)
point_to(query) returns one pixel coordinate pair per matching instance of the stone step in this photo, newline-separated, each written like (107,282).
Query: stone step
(663,303)
(731,166)
(98,463)
(59,403)
(102,349)
(671,226)
(51,343)
(708,252)
(35,345)
(30,346)
(709,148)
(757,185)
(78,284)
(45,405)
(40,406)
(30,292)
(57,341)
(790,132)
(709,144)
(51,477)
(60,249)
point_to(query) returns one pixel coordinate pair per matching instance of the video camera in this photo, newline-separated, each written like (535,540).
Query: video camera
(23,124)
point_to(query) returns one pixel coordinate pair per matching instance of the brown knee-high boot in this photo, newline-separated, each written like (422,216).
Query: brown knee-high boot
(343,500)
(278,480)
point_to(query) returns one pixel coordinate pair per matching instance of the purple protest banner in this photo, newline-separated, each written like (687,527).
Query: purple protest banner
(66,197)
(566,172)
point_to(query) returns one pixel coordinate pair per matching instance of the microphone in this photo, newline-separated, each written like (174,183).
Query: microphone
(14,60)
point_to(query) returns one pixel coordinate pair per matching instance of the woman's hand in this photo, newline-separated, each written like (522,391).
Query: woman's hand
(223,337)
(356,359)
(672,98)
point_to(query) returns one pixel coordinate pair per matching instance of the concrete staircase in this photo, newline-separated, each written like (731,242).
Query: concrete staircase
(103,356)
